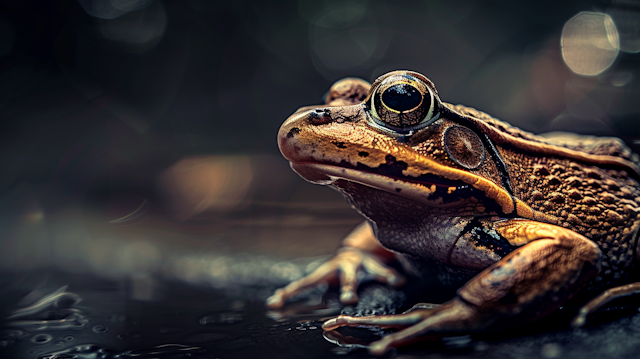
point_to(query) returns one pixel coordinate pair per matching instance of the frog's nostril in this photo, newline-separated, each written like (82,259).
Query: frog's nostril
(320,116)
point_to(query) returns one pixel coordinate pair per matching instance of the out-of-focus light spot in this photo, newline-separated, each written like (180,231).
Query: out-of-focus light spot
(627,20)
(342,16)
(197,184)
(35,216)
(138,258)
(111,9)
(590,43)
(345,36)
(621,78)
(137,31)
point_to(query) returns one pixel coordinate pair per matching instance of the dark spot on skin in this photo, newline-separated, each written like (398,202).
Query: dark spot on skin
(339,144)
(320,116)
(394,165)
(363,154)
(292,132)
(398,189)
(509,298)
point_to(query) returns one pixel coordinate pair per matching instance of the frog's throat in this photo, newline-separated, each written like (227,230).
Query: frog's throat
(328,174)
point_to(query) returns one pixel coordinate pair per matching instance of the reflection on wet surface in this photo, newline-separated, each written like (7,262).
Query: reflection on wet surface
(198,321)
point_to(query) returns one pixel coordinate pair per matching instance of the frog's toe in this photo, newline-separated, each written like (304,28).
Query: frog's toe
(383,321)
(321,275)
(604,298)
(452,317)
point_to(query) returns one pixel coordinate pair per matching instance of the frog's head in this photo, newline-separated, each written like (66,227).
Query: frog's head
(398,137)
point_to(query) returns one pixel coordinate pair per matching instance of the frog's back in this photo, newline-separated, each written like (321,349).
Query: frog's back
(598,197)
(593,145)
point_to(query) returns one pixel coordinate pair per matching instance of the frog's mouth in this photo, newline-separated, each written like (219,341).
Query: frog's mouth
(433,191)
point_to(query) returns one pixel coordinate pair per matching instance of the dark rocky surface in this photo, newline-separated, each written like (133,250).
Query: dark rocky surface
(151,317)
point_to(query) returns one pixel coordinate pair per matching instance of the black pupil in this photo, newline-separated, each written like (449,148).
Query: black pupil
(401,97)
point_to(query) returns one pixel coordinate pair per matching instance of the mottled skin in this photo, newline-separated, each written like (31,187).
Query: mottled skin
(526,221)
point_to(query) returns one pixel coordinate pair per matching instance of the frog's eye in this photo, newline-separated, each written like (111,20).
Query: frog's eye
(463,146)
(403,103)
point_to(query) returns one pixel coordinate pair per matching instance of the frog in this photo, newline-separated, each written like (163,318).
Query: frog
(523,222)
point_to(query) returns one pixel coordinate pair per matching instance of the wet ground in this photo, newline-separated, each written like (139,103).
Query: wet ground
(89,317)
(153,285)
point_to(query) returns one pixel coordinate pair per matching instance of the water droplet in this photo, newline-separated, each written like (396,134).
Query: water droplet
(41,338)
(85,351)
(69,338)
(99,329)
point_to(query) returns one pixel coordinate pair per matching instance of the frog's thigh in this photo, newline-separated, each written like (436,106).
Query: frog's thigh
(528,283)
(536,278)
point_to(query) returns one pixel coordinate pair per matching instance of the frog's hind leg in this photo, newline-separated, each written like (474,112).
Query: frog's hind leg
(604,298)
(537,278)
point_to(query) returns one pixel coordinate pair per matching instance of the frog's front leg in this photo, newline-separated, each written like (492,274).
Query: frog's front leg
(528,283)
(360,253)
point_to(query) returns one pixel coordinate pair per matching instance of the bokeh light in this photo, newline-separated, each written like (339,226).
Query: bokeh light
(590,43)
(197,184)
(627,20)
(136,31)
(112,9)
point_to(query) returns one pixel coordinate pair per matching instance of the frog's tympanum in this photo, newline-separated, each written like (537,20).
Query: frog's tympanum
(531,220)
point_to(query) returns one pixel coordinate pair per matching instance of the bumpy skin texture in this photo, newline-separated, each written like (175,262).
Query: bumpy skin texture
(526,221)
(602,204)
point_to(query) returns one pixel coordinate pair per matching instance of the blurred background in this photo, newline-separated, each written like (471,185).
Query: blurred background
(138,137)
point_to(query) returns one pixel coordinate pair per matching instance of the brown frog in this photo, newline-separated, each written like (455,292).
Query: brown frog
(531,220)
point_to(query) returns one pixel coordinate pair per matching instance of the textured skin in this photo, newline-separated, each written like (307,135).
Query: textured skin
(603,204)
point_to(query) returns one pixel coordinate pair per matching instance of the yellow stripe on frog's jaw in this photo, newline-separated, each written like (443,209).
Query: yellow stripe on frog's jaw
(313,147)
(329,174)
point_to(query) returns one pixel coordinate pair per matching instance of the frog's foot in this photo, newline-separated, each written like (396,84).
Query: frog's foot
(348,268)
(360,257)
(604,298)
(451,317)
(525,285)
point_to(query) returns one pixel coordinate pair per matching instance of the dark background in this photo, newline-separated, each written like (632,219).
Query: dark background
(138,137)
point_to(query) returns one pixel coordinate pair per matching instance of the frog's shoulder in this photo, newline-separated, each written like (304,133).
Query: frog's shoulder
(593,145)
